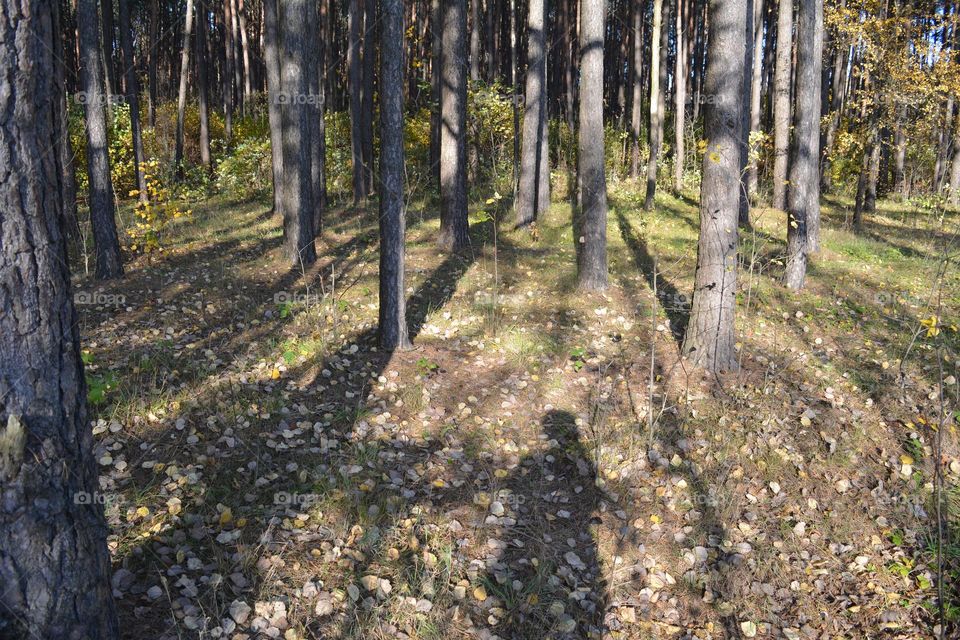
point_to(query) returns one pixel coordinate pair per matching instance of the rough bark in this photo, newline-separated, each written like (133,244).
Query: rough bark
(54,563)
(294,117)
(592,226)
(803,196)
(453,128)
(657,60)
(271,57)
(533,194)
(102,214)
(710,338)
(781,105)
(393,313)
(182,93)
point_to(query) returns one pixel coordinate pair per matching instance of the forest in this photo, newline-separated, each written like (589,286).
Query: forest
(490,319)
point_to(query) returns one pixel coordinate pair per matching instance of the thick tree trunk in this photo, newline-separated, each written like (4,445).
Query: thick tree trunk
(54,563)
(591,235)
(657,62)
(453,130)
(710,336)
(182,93)
(781,106)
(271,57)
(355,83)
(680,100)
(393,313)
(803,196)
(295,119)
(318,129)
(533,195)
(203,89)
(102,214)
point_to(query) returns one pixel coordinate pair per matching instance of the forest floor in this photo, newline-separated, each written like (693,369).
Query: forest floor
(267,472)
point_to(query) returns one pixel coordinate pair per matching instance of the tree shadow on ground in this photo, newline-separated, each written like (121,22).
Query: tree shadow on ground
(675,304)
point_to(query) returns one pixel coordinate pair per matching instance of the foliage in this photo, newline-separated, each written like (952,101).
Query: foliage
(247,172)
(153,215)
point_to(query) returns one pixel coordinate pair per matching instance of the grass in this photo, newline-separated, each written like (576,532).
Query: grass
(523,389)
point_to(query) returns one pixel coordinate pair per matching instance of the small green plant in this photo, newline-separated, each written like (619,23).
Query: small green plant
(426,367)
(98,385)
(578,358)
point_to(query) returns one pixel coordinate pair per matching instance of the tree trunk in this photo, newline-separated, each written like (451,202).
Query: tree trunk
(152,63)
(245,48)
(182,93)
(837,96)
(133,98)
(203,89)
(781,107)
(657,62)
(755,86)
(318,129)
(474,40)
(68,181)
(710,336)
(227,75)
(369,68)
(102,214)
(54,563)
(453,132)
(393,313)
(236,49)
(591,235)
(636,113)
(271,57)
(803,196)
(533,195)
(355,82)
(107,38)
(436,63)
(294,117)
(680,101)
(955,167)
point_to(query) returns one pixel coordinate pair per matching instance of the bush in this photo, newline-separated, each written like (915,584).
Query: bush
(247,172)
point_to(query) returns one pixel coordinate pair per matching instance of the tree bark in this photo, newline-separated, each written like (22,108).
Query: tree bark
(182,93)
(245,48)
(355,82)
(133,98)
(533,195)
(318,129)
(781,107)
(107,38)
(203,89)
(54,563)
(68,181)
(803,196)
(710,337)
(453,130)
(152,63)
(636,112)
(592,232)
(271,56)
(294,116)
(474,40)
(680,100)
(755,86)
(657,59)
(369,67)
(393,313)
(102,215)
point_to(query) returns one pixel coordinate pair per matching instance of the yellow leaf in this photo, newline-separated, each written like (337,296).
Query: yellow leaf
(226,516)
(275,374)
(480,594)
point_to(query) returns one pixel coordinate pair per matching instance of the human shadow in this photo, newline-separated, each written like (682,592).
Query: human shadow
(546,580)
